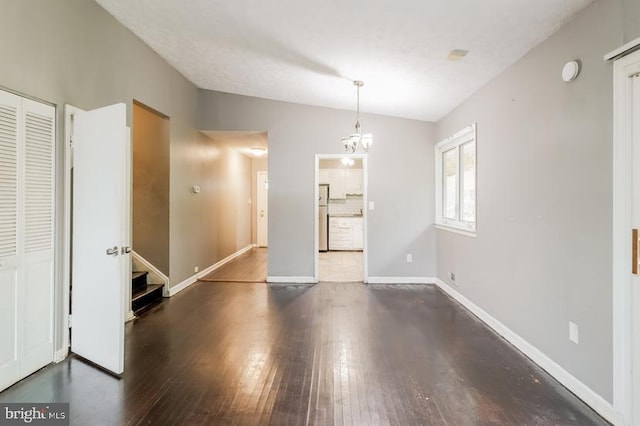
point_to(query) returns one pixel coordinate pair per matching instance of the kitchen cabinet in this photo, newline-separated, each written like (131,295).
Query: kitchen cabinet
(337,184)
(346,233)
(342,182)
(323,177)
(354,181)
(357,233)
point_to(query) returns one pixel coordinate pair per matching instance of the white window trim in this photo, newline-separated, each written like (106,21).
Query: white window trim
(465,135)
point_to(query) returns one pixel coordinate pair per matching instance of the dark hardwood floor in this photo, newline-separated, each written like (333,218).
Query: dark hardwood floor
(249,267)
(343,354)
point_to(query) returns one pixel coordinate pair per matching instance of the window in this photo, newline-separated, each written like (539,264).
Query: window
(456,182)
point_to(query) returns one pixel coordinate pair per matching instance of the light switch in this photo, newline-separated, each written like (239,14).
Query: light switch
(371,205)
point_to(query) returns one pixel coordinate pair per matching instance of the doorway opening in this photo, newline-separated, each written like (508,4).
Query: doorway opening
(150,207)
(341,219)
(236,204)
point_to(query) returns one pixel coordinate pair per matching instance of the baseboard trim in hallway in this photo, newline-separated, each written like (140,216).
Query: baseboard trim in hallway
(401,280)
(231,280)
(577,387)
(291,280)
(195,277)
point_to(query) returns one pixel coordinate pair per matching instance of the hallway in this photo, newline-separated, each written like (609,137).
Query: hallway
(254,354)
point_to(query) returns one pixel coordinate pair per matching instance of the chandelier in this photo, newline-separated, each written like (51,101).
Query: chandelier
(364,140)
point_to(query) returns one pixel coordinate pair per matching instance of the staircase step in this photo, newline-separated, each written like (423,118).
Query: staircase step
(138,281)
(137,274)
(146,298)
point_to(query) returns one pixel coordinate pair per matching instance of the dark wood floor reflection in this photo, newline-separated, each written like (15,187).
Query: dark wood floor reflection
(253,354)
(249,267)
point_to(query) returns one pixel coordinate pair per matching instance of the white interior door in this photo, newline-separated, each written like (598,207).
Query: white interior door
(36,267)
(101,224)
(9,348)
(262,209)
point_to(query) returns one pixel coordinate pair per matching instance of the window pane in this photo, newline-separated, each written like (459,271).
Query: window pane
(450,184)
(468,171)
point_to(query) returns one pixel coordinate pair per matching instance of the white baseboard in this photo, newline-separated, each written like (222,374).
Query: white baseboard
(582,391)
(182,285)
(155,275)
(192,279)
(401,280)
(130,316)
(292,280)
(60,355)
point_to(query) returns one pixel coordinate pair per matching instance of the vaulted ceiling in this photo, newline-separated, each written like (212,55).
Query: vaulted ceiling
(310,51)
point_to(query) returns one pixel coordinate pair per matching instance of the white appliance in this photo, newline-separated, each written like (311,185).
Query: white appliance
(323,217)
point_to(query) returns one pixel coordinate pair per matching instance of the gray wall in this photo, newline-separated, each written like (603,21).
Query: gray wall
(74,52)
(215,223)
(400,168)
(150,210)
(631,19)
(226,192)
(542,257)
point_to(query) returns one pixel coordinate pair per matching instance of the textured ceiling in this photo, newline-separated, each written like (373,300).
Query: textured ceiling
(309,52)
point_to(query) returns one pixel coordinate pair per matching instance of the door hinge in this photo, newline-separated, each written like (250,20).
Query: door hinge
(69,321)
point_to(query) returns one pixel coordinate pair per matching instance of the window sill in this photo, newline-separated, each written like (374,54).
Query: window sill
(461,231)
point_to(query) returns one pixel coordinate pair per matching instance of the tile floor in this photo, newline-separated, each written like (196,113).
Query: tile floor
(341,266)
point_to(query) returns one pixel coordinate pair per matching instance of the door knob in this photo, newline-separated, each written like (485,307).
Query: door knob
(113,251)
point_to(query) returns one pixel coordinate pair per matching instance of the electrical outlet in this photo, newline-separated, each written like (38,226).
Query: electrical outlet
(573,332)
(196,269)
(452,276)
(409,257)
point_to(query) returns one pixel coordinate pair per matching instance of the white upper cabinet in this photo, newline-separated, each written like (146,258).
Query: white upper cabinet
(342,182)
(323,176)
(337,184)
(354,181)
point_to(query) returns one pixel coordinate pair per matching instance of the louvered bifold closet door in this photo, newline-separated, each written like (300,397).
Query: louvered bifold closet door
(38,212)
(10,106)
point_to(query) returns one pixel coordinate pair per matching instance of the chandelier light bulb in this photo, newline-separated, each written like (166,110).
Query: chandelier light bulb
(366,141)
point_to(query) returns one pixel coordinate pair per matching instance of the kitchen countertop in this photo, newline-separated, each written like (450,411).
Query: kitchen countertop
(345,215)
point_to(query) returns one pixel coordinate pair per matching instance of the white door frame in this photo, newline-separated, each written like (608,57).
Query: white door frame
(259,175)
(69,112)
(623,333)
(316,238)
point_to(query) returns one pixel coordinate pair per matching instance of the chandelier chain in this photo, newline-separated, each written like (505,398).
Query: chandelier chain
(352,142)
